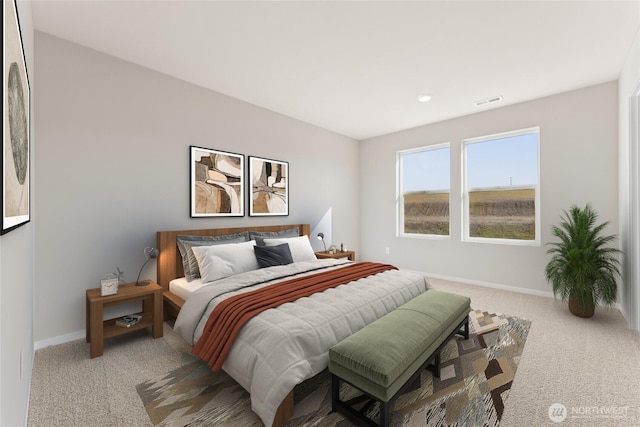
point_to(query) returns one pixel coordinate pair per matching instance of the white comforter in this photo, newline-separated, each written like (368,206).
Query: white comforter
(284,346)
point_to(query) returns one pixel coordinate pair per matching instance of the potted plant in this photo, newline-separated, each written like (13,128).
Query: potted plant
(583,268)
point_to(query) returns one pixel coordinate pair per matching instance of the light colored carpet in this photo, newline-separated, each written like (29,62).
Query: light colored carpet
(591,366)
(70,389)
(587,364)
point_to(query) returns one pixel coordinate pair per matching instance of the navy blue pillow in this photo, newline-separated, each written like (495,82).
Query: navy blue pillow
(268,256)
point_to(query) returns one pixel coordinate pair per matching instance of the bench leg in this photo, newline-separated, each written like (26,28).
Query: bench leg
(358,415)
(465,330)
(335,392)
(385,414)
(436,366)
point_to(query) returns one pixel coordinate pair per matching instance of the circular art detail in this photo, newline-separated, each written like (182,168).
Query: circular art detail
(18,123)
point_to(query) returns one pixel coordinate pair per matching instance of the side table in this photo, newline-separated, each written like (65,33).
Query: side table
(350,255)
(99,330)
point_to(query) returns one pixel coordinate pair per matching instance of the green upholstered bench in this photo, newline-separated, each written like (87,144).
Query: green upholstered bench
(387,355)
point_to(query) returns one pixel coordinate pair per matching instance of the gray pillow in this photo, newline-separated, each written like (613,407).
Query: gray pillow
(185,243)
(269,256)
(258,236)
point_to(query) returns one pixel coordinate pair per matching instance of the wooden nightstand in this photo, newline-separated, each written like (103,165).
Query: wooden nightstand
(351,255)
(99,330)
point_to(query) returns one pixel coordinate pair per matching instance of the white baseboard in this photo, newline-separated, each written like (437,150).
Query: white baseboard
(109,313)
(60,339)
(509,288)
(625,315)
(488,284)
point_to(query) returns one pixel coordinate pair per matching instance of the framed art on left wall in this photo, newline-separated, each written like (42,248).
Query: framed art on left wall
(16,186)
(217,183)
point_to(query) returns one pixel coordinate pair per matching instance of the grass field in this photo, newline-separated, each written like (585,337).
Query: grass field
(502,214)
(426,213)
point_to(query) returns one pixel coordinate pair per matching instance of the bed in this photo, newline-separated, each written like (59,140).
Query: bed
(304,329)
(169,263)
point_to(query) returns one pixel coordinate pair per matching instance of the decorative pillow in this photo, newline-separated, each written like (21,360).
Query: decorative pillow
(300,247)
(268,256)
(194,270)
(220,261)
(189,262)
(259,236)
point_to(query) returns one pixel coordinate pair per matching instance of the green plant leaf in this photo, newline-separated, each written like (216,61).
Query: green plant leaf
(583,264)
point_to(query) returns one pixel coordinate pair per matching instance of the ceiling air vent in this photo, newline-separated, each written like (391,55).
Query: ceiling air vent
(488,101)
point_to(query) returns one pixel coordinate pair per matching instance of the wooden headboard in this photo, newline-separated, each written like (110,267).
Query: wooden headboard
(170,262)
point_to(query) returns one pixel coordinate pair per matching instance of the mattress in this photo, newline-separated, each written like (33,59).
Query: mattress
(183,288)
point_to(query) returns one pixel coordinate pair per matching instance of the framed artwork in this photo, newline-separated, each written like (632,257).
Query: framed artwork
(217,183)
(269,187)
(16,184)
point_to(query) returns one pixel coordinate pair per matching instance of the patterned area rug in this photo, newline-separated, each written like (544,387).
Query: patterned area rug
(475,380)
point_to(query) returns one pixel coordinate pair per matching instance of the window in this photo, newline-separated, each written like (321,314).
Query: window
(501,198)
(423,191)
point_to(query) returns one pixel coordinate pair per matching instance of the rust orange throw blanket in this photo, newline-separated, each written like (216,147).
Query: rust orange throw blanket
(230,315)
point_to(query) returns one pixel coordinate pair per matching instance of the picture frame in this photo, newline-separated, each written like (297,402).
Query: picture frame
(216,182)
(16,121)
(269,180)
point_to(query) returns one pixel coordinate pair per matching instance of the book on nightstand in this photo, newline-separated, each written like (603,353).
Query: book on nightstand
(128,321)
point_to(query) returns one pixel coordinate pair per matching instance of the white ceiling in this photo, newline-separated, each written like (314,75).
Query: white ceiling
(357,68)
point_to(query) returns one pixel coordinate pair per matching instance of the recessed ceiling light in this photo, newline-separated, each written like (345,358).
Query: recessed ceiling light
(424,98)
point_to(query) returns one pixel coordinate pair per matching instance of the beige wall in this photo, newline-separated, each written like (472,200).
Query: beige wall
(17,280)
(113,163)
(110,168)
(578,164)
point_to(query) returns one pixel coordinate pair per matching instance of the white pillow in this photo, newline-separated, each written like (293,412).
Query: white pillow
(300,247)
(219,261)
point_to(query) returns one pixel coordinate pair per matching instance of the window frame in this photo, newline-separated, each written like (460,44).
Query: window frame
(400,196)
(465,191)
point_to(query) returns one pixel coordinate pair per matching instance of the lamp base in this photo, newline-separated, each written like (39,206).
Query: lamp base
(142,283)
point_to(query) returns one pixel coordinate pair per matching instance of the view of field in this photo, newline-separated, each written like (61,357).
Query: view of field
(497,213)
(426,213)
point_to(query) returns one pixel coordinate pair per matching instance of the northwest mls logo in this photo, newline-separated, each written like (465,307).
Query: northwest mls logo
(557,412)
